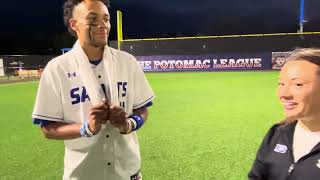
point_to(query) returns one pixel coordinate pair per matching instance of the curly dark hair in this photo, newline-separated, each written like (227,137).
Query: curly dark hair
(68,9)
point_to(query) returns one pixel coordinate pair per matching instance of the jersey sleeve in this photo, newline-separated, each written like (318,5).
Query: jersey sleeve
(143,93)
(48,104)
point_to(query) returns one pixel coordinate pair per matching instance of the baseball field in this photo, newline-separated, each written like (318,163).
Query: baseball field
(201,126)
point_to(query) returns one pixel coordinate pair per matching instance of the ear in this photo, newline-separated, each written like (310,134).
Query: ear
(73,24)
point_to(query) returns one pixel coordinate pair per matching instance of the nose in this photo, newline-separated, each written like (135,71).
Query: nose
(103,24)
(284,92)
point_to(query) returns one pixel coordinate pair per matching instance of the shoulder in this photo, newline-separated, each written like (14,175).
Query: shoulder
(122,55)
(63,63)
(274,130)
(59,65)
(59,61)
(283,127)
(279,131)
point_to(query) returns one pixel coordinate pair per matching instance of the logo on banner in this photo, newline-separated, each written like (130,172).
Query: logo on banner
(279,59)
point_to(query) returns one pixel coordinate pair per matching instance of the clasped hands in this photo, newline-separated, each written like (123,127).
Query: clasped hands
(105,111)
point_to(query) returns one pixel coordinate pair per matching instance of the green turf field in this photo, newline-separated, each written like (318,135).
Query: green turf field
(202,126)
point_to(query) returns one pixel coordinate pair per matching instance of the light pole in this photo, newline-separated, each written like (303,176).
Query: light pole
(301,20)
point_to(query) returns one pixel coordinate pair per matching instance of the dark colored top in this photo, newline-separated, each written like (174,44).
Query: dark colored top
(275,160)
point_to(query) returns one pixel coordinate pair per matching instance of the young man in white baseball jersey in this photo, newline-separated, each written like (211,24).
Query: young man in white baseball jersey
(94,98)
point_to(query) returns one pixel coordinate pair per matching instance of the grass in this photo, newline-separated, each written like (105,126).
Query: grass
(202,126)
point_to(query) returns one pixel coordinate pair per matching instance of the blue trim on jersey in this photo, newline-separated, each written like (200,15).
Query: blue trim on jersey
(95,62)
(48,117)
(41,122)
(137,106)
(149,104)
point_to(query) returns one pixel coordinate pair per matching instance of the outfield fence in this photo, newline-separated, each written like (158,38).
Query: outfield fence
(208,53)
(218,53)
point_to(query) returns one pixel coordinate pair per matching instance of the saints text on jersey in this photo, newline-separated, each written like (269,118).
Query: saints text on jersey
(80,94)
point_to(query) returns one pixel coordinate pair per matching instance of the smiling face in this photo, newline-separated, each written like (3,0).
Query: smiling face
(299,90)
(91,22)
(280,60)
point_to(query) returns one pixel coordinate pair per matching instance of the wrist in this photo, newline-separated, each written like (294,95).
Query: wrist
(127,127)
(137,121)
(88,130)
(85,131)
(82,131)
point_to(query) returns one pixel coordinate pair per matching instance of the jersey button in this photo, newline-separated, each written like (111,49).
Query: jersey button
(109,163)
(99,76)
(107,136)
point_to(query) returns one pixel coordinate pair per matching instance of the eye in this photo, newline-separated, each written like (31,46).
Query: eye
(280,84)
(93,18)
(299,84)
(106,19)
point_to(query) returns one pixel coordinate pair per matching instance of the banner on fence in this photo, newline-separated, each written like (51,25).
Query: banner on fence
(279,59)
(212,62)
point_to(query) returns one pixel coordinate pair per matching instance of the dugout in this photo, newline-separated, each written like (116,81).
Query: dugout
(13,63)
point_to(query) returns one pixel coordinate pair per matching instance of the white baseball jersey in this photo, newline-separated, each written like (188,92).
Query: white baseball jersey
(62,97)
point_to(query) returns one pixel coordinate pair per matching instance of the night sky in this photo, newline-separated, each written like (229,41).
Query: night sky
(36,26)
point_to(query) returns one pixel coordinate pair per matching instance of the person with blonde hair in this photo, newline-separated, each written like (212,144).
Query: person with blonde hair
(291,148)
